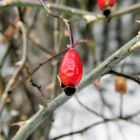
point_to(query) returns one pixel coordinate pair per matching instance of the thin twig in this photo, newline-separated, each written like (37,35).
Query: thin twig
(35,17)
(66,21)
(88,127)
(5,56)
(37,44)
(20,65)
(133,78)
(49,11)
(70,34)
(135,114)
(57,46)
(32,102)
(38,87)
(121,104)
(89,109)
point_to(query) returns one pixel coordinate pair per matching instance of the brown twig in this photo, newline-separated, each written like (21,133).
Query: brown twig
(89,127)
(66,21)
(46,7)
(5,56)
(30,97)
(20,65)
(35,18)
(37,44)
(121,104)
(38,87)
(89,109)
(70,34)
(133,78)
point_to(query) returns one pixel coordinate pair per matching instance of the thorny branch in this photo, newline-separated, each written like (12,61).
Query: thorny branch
(102,69)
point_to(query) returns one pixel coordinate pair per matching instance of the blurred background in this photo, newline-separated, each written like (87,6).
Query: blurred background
(47,36)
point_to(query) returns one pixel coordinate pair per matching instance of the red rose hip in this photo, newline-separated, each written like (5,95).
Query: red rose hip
(71,70)
(106,5)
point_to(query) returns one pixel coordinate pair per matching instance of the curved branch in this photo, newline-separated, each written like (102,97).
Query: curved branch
(133,78)
(88,109)
(20,65)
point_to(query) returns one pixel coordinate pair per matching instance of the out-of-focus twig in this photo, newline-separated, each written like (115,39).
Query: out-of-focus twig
(35,17)
(31,99)
(133,78)
(89,109)
(38,45)
(121,104)
(89,16)
(38,87)
(89,127)
(5,56)
(19,64)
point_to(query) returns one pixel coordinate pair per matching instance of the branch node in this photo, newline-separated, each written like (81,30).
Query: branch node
(20,124)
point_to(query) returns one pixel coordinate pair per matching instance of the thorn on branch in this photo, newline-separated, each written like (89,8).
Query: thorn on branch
(134,47)
(38,87)
(19,124)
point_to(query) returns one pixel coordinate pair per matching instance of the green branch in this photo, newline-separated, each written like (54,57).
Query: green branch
(44,112)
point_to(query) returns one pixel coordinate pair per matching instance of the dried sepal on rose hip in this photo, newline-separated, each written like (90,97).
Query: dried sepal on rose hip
(120,84)
(106,6)
(71,70)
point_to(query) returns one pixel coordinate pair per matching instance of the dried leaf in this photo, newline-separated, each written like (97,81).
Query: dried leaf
(120,84)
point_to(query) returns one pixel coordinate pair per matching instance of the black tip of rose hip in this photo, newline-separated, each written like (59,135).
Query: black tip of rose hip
(107,12)
(69,91)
